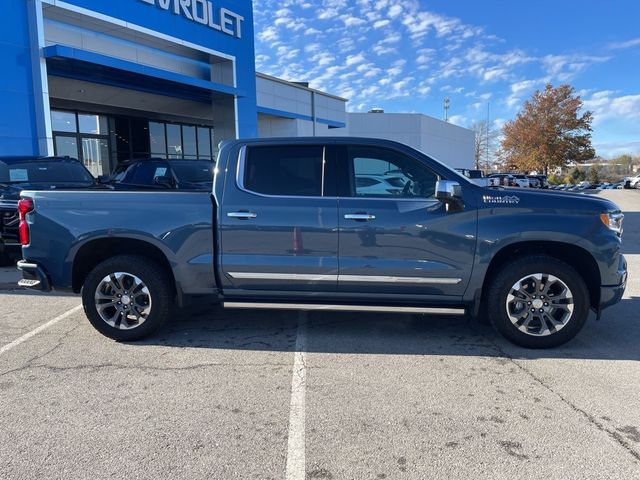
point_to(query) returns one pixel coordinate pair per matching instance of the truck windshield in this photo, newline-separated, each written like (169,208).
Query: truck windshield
(58,172)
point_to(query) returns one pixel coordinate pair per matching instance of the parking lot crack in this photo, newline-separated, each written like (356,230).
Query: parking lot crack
(591,419)
(114,366)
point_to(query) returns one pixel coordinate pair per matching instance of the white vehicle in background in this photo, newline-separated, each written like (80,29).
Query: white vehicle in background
(634,182)
(476,176)
(380,184)
(508,180)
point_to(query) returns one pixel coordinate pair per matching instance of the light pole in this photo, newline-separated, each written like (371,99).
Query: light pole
(447,102)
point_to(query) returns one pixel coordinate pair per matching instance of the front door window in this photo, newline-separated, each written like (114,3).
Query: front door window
(381,173)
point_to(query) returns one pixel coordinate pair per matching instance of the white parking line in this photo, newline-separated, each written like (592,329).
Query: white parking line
(296,462)
(27,336)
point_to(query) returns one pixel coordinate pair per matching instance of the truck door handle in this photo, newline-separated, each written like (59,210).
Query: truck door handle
(361,217)
(242,215)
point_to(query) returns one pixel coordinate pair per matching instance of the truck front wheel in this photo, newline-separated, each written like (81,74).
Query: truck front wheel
(538,302)
(127,297)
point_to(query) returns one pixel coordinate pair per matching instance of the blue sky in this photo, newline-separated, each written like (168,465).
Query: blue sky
(406,56)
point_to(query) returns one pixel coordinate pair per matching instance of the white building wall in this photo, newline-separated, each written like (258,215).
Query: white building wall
(443,141)
(271,126)
(286,109)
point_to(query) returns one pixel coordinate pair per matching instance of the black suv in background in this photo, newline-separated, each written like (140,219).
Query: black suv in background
(33,173)
(157,173)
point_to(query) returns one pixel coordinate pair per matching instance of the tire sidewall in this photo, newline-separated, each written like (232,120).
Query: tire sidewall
(527,266)
(151,275)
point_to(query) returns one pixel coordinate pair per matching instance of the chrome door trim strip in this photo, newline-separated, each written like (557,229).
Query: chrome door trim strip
(316,277)
(392,279)
(301,277)
(345,308)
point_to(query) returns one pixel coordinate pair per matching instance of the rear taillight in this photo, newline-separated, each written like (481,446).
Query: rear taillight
(25,205)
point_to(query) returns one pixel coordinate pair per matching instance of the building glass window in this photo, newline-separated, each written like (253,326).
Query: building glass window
(178,141)
(174,141)
(95,154)
(63,121)
(110,140)
(93,124)
(66,147)
(190,147)
(158,140)
(82,136)
(204,143)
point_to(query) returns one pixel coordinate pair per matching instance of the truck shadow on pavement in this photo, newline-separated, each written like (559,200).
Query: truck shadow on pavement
(615,337)
(631,233)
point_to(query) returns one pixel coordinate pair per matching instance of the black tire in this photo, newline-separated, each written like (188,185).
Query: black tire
(161,296)
(502,284)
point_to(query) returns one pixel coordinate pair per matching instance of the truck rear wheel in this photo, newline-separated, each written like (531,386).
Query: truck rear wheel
(127,297)
(538,302)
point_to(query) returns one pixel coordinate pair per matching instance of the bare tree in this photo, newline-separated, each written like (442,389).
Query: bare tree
(486,141)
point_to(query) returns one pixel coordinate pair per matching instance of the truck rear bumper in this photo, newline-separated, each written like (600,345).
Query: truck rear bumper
(612,294)
(33,276)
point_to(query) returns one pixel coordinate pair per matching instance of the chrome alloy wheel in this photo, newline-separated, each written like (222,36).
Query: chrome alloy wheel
(540,304)
(123,300)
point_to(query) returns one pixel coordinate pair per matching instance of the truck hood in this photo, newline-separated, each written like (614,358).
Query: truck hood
(534,198)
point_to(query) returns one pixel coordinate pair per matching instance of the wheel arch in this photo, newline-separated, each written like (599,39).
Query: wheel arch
(577,257)
(95,251)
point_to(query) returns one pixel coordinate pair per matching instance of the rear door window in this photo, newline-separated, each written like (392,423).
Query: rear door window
(285,170)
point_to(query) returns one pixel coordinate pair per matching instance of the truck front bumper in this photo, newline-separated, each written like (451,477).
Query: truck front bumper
(612,294)
(33,276)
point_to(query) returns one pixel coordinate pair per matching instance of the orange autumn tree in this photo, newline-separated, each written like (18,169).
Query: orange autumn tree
(550,131)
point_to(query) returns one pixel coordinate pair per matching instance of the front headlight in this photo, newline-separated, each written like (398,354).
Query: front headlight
(613,221)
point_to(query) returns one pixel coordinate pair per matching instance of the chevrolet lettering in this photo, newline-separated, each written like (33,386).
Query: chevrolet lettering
(205,13)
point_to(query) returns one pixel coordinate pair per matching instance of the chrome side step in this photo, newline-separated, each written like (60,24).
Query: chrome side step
(345,308)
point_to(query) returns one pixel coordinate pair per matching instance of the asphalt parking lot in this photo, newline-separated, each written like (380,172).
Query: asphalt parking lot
(242,394)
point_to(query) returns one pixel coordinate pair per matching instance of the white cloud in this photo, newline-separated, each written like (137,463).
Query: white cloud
(459,120)
(353,21)
(518,90)
(394,11)
(606,106)
(564,68)
(635,42)
(355,59)
(269,34)
(381,23)
(495,73)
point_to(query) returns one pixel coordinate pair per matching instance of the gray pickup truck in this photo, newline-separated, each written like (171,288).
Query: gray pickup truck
(330,224)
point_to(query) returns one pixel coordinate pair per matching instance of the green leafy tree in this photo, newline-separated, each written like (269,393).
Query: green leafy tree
(577,175)
(549,131)
(593,176)
(554,179)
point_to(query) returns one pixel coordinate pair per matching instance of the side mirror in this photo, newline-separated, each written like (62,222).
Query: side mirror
(164,181)
(450,193)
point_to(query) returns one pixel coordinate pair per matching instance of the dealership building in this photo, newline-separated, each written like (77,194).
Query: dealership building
(107,81)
